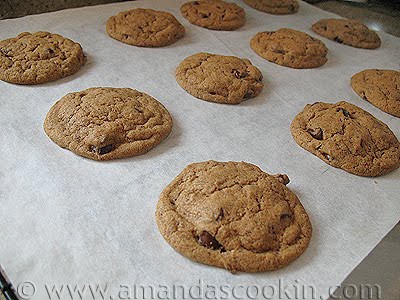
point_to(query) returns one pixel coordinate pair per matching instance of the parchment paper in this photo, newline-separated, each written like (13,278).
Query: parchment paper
(69,220)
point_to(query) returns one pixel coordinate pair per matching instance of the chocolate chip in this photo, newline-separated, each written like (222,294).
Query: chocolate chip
(239,75)
(280,51)
(345,112)
(326,155)
(220,215)
(204,15)
(51,51)
(337,39)
(285,216)
(316,133)
(282,178)
(103,150)
(248,95)
(208,241)
(196,3)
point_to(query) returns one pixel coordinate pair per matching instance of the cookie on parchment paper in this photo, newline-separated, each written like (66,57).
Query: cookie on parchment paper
(380,87)
(290,48)
(218,78)
(233,215)
(348,32)
(347,137)
(145,28)
(278,7)
(108,123)
(214,14)
(33,58)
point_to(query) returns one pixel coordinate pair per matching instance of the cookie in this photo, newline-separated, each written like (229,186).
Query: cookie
(145,28)
(347,137)
(108,123)
(33,58)
(290,48)
(218,78)
(214,14)
(277,7)
(233,215)
(349,32)
(380,87)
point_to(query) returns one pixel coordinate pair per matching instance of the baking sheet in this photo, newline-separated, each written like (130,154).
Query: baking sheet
(69,220)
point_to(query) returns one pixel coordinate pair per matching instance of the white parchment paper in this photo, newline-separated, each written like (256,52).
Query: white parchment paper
(69,220)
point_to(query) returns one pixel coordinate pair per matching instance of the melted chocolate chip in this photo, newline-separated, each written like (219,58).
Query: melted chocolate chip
(208,241)
(316,133)
(248,95)
(285,216)
(103,150)
(239,75)
(326,155)
(337,39)
(345,112)
(282,178)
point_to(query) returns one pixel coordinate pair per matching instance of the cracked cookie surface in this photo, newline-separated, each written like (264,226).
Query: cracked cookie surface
(290,48)
(214,14)
(347,137)
(278,7)
(107,123)
(218,78)
(233,215)
(349,32)
(379,87)
(145,28)
(33,58)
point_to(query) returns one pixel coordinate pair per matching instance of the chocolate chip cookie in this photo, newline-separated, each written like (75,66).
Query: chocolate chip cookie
(108,123)
(380,87)
(218,78)
(145,28)
(348,32)
(33,58)
(233,215)
(214,14)
(347,137)
(278,7)
(290,48)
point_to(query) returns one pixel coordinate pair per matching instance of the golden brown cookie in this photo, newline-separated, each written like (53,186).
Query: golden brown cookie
(32,58)
(278,7)
(348,32)
(108,123)
(380,87)
(218,78)
(347,137)
(145,28)
(214,14)
(290,48)
(233,215)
